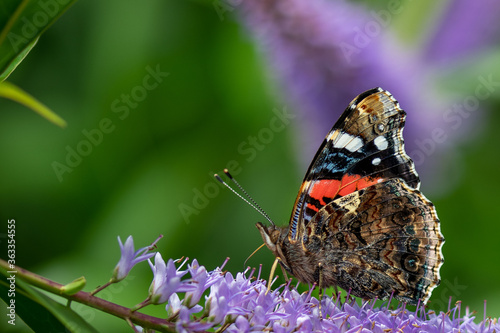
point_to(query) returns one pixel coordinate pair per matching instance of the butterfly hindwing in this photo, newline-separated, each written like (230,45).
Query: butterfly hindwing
(382,239)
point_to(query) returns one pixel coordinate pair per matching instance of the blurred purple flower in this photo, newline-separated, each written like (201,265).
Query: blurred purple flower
(326,52)
(465,28)
(241,304)
(129,258)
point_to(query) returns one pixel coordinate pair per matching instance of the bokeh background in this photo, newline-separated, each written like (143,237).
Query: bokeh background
(213,105)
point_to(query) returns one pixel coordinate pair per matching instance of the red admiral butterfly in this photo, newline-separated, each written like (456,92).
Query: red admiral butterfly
(359,220)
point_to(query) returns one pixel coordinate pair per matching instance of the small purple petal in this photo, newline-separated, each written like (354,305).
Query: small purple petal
(218,309)
(173,305)
(129,258)
(185,324)
(199,276)
(242,324)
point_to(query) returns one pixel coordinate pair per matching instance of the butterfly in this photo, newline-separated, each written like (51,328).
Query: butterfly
(359,221)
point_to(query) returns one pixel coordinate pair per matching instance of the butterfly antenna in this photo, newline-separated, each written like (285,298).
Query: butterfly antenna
(250,200)
(248,196)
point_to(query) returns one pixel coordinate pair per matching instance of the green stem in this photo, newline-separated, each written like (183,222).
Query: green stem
(98,289)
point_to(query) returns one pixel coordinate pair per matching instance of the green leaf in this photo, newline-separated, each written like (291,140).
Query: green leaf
(11,91)
(40,312)
(17,60)
(74,286)
(22,22)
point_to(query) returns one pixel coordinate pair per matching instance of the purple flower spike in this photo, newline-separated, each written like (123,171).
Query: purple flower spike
(129,258)
(467,27)
(240,304)
(326,52)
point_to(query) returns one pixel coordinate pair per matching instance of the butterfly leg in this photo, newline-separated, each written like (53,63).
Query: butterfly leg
(271,275)
(285,276)
(320,286)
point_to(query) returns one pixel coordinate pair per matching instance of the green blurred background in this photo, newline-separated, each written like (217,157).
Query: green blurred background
(163,148)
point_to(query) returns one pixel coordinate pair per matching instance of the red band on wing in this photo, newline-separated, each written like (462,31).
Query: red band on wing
(324,188)
(331,188)
(311,206)
(353,183)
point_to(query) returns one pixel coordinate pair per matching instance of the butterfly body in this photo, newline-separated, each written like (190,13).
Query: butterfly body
(359,220)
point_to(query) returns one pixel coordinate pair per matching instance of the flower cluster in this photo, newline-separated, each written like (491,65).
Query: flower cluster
(241,303)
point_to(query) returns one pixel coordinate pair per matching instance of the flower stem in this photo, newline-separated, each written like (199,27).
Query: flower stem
(86,298)
(98,289)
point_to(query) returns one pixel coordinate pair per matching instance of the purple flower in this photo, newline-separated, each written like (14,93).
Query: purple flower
(200,277)
(129,258)
(166,280)
(174,305)
(241,304)
(185,323)
(326,52)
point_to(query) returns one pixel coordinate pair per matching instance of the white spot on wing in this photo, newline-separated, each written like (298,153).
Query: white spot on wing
(355,144)
(342,140)
(381,142)
(376,161)
(349,142)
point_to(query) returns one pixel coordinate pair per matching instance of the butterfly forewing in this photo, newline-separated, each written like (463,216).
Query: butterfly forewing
(364,147)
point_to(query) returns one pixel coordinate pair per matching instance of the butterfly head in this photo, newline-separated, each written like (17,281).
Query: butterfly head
(273,238)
